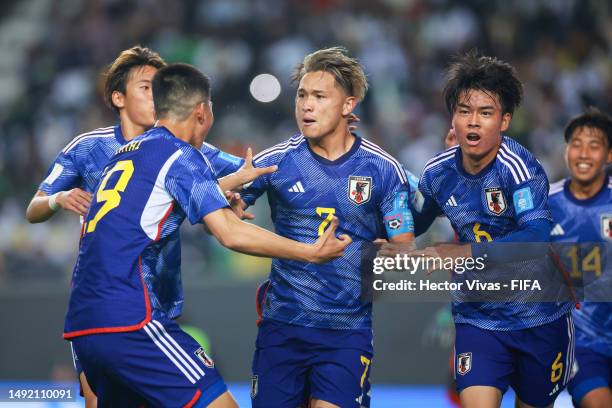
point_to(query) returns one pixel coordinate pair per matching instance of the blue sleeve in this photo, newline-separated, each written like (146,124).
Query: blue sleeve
(537,230)
(223,163)
(413,181)
(63,174)
(530,198)
(192,183)
(395,205)
(260,184)
(426,208)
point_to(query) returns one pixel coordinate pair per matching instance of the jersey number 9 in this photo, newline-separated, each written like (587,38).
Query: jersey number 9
(111,197)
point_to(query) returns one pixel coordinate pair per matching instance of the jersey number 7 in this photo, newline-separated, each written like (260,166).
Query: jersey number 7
(328,215)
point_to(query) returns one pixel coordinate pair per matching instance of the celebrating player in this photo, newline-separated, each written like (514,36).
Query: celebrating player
(121,307)
(581,206)
(492,189)
(315,335)
(77,169)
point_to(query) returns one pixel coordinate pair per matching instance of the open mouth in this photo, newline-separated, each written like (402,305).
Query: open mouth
(308,121)
(473,137)
(583,166)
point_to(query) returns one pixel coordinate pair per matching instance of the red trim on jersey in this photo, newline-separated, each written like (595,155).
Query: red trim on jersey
(258,305)
(195,399)
(163,220)
(119,329)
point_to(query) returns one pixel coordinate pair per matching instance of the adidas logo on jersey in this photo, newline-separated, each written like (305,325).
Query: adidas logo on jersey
(297,188)
(558,230)
(451,202)
(554,391)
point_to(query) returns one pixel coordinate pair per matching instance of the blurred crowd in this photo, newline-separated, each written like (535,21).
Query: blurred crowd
(53,53)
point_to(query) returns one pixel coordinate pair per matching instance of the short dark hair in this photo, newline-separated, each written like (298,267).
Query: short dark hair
(487,74)
(117,73)
(177,89)
(591,118)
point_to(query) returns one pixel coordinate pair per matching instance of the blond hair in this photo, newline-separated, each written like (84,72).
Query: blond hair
(346,70)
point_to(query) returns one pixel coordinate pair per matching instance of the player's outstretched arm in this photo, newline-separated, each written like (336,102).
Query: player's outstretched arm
(245,175)
(253,240)
(42,207)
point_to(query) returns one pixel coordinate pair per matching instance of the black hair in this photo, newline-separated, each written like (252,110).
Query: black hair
(488,74)
(117,74)
(591,118)
(177,89)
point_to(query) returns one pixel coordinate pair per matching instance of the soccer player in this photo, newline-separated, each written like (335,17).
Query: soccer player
(314,342)
(492,189)
(121,306)
(77,169)
(581,206)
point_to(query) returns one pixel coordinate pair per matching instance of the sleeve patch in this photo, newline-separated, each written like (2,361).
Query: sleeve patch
(230,158)
(523,200)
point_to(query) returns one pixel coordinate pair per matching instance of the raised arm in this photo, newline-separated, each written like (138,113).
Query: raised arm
(250,239)
(42,207)
(245,175)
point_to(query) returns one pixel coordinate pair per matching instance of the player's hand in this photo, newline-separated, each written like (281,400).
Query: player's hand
(248,172)
(353,120)
(238,206)
(388,249)
(328,246)
(75,200)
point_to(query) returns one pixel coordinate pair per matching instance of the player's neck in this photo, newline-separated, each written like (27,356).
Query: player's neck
(182,130)
(584,191)
(334,145)
(474,165)
(130,130)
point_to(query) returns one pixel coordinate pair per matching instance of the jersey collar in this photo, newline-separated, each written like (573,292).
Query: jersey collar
(587,201)
(340,159)
(460,169)
(119,135)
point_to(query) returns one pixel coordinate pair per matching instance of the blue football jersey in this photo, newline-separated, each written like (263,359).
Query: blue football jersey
(148,188)
(360,188)
(587,220)
(81,162)
(509,192)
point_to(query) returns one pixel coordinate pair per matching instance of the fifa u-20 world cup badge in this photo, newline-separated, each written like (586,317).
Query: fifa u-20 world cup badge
(464,363)
(496,203)
(359,189)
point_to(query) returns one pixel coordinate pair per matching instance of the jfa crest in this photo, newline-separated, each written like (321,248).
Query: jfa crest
(204,358)
(606,226)
(360,189)
(496,203)
(464,363)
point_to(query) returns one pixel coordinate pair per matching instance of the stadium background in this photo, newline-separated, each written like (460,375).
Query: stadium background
(53,52)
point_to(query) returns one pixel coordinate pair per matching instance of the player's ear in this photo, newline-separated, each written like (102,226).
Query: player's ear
(349,104)
(506,118)
(118,99)
(200,113)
